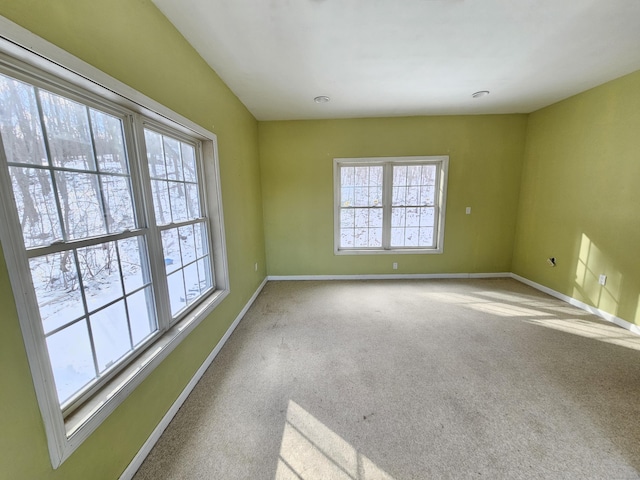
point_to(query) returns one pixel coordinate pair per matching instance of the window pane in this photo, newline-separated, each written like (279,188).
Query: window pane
(193,201)
(130,263)
(397,237)
(178,199)
(67,127)
(171,249)
(361,217)
(411,222)
(204,274)
(189,162)
(100,273)
(399,196)
(399,175)
(141,316)
(108,141)
(413,196)
(397,217)
(201,238)
(20,123)
(347,176)
(161,204)
(427,195)
(414,175)
(110,334)
(411,236)
(361,196)
(347,239)
(361,177)
(187,244)
(347,196)
(37,210)
(176,292)
(347,217)
(118,203)
(57,289)
(429,174)
(178,202)
(155,155)
(412,217)
(375,196)
(79,195)
(375,176)
(71,359)
(427,216)
(192,282)
(361,236)
(172,158)
(375,237)
(426,236)
(375,218)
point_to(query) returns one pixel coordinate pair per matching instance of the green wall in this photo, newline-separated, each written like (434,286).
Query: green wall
(580,197)
(485,163)
(132,41)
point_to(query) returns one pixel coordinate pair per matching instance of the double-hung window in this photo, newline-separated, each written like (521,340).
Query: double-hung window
(110,235)
(389,205)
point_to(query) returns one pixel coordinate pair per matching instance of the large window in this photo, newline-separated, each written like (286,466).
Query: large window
(107,230)
(390,204)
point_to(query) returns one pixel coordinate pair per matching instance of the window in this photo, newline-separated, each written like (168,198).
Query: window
(110,237)
(390,205)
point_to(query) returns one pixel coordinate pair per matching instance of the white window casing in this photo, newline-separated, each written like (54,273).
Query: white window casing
(32,60)
(390,205)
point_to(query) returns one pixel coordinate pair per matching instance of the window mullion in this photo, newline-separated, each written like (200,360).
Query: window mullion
(154,240)
(387,197)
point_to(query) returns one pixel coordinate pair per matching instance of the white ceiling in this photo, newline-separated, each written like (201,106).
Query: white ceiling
(409,57)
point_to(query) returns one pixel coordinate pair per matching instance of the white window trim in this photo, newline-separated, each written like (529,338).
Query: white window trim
(441,160)
(65,435)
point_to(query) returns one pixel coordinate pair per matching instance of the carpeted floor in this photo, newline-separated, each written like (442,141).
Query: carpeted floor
(433,379)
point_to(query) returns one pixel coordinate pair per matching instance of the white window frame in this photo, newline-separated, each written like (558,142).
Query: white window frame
(442,163)
(36,57)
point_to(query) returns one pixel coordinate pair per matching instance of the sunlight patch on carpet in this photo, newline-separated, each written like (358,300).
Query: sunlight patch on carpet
(310,450)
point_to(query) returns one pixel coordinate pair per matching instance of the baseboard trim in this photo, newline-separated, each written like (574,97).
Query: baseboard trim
(581,305)
(397,276)
(135,464)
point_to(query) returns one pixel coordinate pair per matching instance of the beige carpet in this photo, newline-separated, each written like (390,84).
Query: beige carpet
(433,379)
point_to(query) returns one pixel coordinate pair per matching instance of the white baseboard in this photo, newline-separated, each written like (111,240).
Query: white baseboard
(135,464)
(392,276)
(581,305)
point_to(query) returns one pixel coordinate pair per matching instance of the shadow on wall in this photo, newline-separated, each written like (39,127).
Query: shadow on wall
(311,450)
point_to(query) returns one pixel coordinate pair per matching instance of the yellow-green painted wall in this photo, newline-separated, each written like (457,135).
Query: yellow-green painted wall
(133,42)
(485,160)
(580,198)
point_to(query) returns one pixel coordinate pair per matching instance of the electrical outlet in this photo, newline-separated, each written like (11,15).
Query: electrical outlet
(255,267)
(395,265)
(602,280)
(468,210)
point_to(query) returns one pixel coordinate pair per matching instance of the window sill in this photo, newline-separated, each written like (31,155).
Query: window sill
(88,417)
